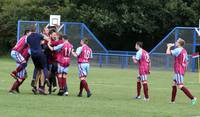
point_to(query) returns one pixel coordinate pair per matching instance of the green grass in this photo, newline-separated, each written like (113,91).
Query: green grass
(112,89)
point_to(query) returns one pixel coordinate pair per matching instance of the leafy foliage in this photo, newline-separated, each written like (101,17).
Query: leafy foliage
(117,23)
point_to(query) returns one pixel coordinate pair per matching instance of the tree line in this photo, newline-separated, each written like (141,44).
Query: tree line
(117,23)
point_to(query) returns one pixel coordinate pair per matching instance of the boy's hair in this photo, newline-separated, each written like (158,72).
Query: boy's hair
(181,42)
(26,31)
(139,43)
(65,37)
(33,28)
(85,40)
(51,31)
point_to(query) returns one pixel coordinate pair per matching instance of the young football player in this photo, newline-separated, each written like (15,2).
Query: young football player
(63,59)
(56,39)
(180,65)
(21,57)
(143,60)
(83,54)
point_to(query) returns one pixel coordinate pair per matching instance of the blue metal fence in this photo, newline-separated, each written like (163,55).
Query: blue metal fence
(122,59)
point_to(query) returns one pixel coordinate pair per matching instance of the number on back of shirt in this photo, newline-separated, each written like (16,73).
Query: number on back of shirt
(87,54)
(67,51)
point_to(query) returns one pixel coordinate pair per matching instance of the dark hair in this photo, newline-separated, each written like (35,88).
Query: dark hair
(139,43)
(51,31)
(33,28)
(85,40)
(26,31)
(65,37)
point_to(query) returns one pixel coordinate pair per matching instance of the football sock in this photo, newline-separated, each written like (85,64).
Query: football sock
(187,92)
(85,85)
(138,88)
(145,87)
(15,85)
(81,87)
(174,90)
(65,84)
(21,82)
(18,69)
(59,81)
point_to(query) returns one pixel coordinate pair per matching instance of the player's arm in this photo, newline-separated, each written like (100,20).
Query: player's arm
(45,37)
(134,59)
(168,51)
(55,48)
(78,52)
(137,57)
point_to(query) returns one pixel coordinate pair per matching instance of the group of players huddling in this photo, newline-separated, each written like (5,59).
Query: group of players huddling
(51,54)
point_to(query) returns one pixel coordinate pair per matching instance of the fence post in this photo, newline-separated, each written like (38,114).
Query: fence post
(100,60)
(81,32)
(18,29)
(194,49)
(167,62)
(107,58)
(37,27)
(122,62)
(65,28)
(176,34)
(126,60)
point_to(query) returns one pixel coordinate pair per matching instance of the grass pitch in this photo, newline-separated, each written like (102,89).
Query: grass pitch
(112,89)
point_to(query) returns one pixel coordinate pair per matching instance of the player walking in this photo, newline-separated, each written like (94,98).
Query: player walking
(63,58)
(83,54)
(21,57)
(180,65)
(143,60)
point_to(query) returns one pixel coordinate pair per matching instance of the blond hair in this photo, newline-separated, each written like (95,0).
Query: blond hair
(181,42)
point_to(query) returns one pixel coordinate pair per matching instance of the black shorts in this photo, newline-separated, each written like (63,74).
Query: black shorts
(39,60)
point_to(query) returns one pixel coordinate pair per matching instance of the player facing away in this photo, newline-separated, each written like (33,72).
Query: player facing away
(143,60)
(180,65)
(21,57)
(63,58)
(83,54)
(16,54)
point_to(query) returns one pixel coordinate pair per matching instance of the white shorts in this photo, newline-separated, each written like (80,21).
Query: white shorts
(178,78)
(22,73)
(142,77)
(62,69)
(17,57)
(83,69)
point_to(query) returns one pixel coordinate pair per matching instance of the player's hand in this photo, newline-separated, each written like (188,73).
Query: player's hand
(133,57)
(72,50)
(170,44)
(49,43)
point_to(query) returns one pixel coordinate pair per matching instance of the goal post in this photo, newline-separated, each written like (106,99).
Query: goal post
(196,57)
